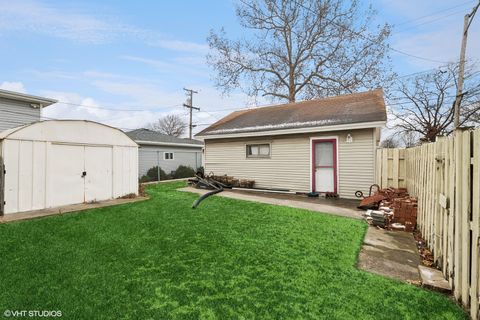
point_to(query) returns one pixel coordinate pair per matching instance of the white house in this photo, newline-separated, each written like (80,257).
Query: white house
(325,145)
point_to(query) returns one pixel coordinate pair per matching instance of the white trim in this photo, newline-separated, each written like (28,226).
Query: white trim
(338,127)
(155,143)
(269,156)
(311,164)
(171,159)
(12,95)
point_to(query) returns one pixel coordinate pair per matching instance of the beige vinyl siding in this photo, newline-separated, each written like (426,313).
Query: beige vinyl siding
(289,166)
(15,113)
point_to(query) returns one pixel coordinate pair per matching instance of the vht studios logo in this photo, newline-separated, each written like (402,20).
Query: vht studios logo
(32,313)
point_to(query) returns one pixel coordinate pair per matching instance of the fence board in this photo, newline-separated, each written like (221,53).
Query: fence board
(445,177)
(474,290)
(465,169)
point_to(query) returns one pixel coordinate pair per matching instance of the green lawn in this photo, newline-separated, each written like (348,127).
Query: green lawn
(227,259)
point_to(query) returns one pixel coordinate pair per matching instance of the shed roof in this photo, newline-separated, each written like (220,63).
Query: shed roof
(45,102)
(145,136)
(69,131)
(345,109)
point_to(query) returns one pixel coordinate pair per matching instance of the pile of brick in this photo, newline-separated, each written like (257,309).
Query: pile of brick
(405,212)
(398,209)
(391,194)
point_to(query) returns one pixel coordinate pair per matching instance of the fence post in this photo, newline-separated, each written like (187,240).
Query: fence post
(465,193)
(475,225)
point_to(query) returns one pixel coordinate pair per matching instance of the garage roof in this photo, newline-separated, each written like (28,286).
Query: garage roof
(364,107)
(147,136)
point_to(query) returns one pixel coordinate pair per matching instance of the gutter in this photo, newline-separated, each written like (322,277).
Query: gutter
(44,102)
(157,143)
(338,127)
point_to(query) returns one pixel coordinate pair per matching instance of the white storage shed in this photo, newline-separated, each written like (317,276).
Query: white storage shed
(61,162)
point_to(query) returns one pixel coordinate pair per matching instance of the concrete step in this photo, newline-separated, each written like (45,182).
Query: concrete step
(433,279)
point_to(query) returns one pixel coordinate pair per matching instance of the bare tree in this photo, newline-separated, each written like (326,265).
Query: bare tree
(171,124)
(301,49)
(409,139)
(423,105)
(389,142)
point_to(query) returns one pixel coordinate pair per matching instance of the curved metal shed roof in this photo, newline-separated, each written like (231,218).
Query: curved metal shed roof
(69,131)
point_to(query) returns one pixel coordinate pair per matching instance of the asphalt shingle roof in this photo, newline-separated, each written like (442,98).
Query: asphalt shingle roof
(344,109)
(153,136)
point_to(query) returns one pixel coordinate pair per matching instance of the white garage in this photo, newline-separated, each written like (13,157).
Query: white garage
(59,162)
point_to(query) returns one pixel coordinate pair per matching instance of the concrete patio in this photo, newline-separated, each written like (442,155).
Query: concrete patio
(341,207)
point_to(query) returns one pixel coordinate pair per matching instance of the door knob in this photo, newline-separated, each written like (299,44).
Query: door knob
(84,173)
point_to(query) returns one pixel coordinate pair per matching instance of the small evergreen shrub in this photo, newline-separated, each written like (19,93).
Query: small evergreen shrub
(183,172)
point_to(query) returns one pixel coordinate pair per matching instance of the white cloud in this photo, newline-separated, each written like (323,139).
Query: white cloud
(13,86)
(143,103)
(35,17)
(159,64)
(177,45)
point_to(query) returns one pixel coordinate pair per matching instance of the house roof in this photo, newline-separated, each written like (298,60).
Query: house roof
(349,109)
(45,102)
(146,136)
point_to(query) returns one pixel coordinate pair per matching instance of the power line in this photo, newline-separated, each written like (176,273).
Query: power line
(435,13)
(116,109)
(387,47)
(430,21)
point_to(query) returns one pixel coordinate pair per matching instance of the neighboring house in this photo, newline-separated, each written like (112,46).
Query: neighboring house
(60,162)
(325,145)
(17,109)
(167,152)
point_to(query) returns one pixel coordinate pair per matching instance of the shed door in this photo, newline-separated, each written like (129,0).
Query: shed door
(66,165)
(324,165)
(98,167)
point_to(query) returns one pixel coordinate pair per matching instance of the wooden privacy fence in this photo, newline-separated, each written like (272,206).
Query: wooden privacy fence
(445,176)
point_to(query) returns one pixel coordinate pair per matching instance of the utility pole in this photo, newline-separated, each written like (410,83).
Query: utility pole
(458,99)
(189,105)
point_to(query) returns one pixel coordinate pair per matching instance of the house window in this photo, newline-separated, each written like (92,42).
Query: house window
(168,155)
(258,150)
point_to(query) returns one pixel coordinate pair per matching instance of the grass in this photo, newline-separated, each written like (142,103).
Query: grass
(228,259)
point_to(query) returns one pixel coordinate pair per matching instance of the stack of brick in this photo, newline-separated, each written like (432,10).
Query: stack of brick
(405,212)
(398,209)
(393,193)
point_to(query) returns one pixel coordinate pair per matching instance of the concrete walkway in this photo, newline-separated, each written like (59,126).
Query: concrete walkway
(301,203)
(391,254)
(61,210)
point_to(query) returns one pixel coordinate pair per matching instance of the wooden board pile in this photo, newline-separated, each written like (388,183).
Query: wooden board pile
(229,180)
(397,210)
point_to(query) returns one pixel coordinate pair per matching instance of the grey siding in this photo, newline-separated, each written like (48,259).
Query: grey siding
(289,166)
(151,156)
(16,113)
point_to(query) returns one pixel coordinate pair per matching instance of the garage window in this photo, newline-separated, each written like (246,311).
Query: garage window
(168,155)
(258,150)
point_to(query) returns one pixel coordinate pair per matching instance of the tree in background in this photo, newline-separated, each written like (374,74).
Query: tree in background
(422,106)
(172,125)
(389,142)
(301,49)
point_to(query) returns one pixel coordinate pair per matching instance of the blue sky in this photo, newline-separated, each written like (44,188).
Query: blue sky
(115,57)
